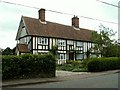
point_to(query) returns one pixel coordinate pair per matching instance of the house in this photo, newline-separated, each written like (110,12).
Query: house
(38,36)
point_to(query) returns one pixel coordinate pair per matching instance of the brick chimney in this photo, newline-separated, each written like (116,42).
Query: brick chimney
(41,13)
(75,22)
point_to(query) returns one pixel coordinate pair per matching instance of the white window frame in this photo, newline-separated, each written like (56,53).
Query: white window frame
(62,56)
(43,41)
(61,42)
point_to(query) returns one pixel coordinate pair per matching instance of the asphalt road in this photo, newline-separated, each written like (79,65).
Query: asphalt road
(104,81)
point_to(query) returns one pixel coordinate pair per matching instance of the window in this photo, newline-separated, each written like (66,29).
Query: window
(43,41)
(71,47)
(80,48)
(79,56)
(61,43)
(62,56)
(79,43)
(69,42)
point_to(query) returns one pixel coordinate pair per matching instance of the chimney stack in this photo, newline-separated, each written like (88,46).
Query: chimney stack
(75,21)
(42,14)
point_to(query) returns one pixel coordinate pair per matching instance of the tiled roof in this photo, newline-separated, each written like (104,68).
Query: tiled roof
(23,48)
(50,29)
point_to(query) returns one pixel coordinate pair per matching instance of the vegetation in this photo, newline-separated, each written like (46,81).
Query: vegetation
(112,51)
(28,66)
(91,65)
(74,66)
(103,64)
(8,51)
(54,50)
(104,43)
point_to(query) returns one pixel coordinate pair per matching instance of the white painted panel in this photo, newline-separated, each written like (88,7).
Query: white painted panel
(35,52)
(50,43)
(42,51)
(85,47)
(22,40)
(23,32)
(39,47)
(74,45)
(36,42)
(61,51)
(54,43)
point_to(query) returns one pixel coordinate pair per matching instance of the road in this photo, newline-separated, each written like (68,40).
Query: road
(104,81)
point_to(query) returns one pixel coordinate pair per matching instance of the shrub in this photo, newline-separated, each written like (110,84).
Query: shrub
(66,67)
(74,66)
(28,66)
(103,64)
(79,70)
(74,63)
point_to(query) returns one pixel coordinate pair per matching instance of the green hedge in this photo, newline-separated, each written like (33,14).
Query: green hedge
(28,66)
(103,64)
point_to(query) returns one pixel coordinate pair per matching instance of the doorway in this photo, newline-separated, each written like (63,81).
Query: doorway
(71,55)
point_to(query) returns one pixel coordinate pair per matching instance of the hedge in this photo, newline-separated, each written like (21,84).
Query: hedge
(103,64)
(28,66)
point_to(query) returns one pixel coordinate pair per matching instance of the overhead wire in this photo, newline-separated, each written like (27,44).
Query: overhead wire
(108,3)
(62,12)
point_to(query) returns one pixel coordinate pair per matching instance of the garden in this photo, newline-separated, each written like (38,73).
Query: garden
(91,65)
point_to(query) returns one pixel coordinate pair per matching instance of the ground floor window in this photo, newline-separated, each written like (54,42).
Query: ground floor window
(79,56)
(62,56)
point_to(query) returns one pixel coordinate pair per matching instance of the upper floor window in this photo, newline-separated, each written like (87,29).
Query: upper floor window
(70,42)
(61,42)
(79,43)
(43,41)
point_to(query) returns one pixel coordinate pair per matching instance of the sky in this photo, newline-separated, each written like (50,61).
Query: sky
(10,15)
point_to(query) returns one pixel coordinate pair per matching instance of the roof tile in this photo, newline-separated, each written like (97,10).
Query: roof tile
(50,29)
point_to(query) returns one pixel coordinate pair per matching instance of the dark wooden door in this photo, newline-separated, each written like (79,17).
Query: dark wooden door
(71,56)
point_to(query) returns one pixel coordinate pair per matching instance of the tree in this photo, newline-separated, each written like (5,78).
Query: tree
(7,51)
(54,50)
(113,50)
(102,39)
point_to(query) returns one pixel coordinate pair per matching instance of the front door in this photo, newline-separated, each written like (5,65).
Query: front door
(71,56)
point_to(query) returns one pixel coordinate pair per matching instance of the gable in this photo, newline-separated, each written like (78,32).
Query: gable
(22,31)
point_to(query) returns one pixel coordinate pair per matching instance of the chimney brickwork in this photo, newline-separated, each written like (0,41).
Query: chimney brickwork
(42,15)
(75,21)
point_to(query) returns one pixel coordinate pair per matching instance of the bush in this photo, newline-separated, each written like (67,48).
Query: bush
(74,66)
(79,70)
(65,67)
(74,63)
(28,66)
(103,64)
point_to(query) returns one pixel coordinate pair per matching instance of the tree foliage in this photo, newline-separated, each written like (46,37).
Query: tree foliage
(103,40)
(54,50)
(7,51)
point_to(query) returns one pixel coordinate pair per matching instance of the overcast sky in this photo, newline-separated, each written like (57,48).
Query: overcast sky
(10,15)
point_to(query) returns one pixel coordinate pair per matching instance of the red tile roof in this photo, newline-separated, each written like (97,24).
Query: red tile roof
(50,29)
(23,48)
